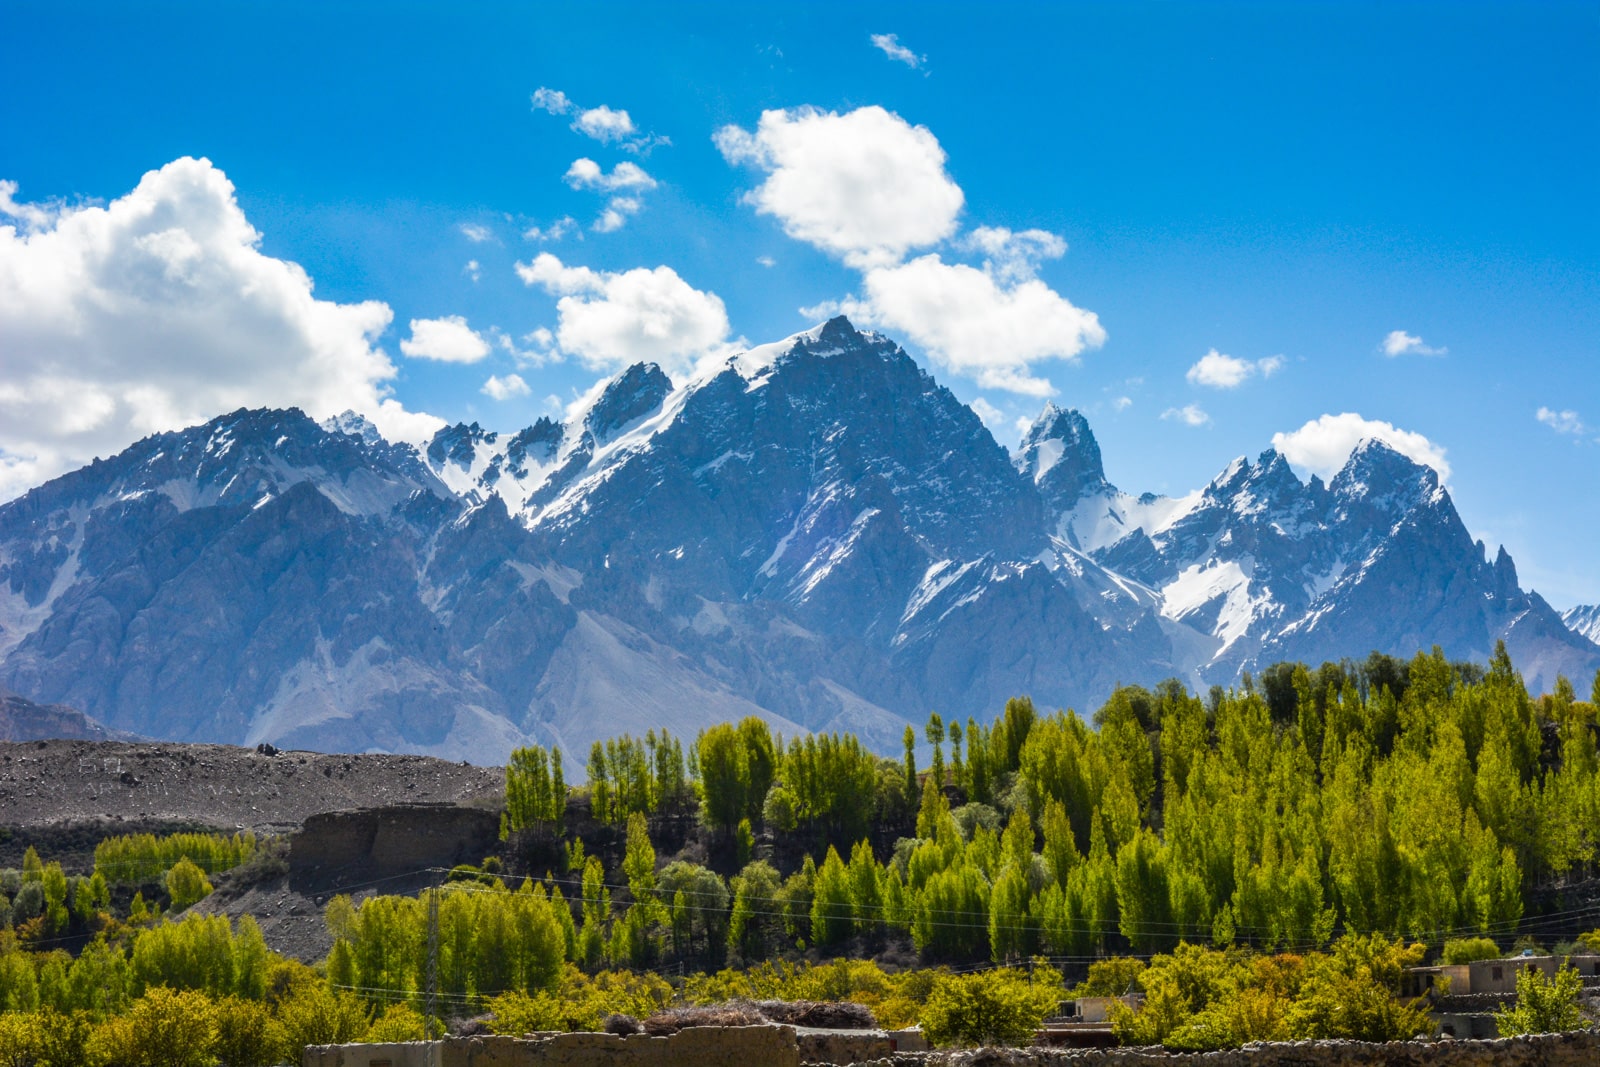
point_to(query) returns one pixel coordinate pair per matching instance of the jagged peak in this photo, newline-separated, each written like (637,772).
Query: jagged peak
(354,424)
(632,394)
(1376,467)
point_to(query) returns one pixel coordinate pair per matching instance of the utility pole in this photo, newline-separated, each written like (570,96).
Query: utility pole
(433,958)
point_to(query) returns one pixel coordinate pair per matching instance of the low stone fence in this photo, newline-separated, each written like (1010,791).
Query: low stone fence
(699,1046)
(1579,1049)
(777,1046)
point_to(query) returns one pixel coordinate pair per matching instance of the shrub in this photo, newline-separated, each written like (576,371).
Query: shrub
(163,1028)
(186,884)
(1000,1007)
(1468,950)
(1544,1005)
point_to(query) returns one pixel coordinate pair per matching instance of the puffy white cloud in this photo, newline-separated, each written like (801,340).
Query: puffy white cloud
(157,311)
(617,212)
(889,44)
(1400,343)
(1220,371)
(610,320)
(1189,415)
(971,324)
(473,270)
(552,100)
(505,388)
(446,340)
(1013,257)
(1563,422)
(542,352)
(1122,403)
(1324,444)
(766,261)
(605,124)
(866,186)
(553,232)
(585,173)
(475,233)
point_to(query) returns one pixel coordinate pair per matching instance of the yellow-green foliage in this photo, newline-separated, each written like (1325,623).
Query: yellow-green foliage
(186,884)
(1544,1005)
(580,1002)
(999,1007)
(1199,998)
(135,858)
(1468,949)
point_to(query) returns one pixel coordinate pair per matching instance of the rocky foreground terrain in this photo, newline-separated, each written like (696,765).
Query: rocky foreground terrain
(53,785)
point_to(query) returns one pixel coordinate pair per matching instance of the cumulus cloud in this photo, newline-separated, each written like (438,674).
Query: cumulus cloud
(1323,445)
(1122,403)
(865,186)
(1189,415)
(610,320)
(971,324)
(605,124)
(617,212)
(766,261)
(889,44)
(1562,422)
(553,232)
(446,340)
(1013,257)
(158,311)
(1400,343)
(585,173)
(473,270)
(499,388)
(475,233)
(1219,371)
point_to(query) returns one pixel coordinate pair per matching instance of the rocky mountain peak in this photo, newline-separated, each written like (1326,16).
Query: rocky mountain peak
(355,425)
(458,444)
(1583,620)
(634,393)
(1060,455)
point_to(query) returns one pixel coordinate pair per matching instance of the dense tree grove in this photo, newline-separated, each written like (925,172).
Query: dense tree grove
(1262,862)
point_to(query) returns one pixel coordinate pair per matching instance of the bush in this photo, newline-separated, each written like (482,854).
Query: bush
(186,884)
(1544,1005)
(1110,977)
(163,1028)
(399,1022)
(248,1035)
(1000,1007)
(1469,950)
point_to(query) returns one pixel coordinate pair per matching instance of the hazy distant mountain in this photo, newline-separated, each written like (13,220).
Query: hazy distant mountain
(815,532)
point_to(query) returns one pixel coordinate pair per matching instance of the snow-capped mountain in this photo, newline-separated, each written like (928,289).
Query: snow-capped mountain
(815,532)
(1584,620)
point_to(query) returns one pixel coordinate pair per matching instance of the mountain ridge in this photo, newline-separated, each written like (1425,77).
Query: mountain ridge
(813,531)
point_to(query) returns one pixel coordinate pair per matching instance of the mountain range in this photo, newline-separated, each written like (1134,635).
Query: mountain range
(814,531)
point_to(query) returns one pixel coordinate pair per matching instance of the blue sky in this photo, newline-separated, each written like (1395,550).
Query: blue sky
(1287,186)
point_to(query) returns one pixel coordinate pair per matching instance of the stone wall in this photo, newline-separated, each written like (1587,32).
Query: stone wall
(700,1046)
(1581,1049)
(342,846)
(776,1046)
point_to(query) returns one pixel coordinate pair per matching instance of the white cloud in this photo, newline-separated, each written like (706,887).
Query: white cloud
(1323,445)
(552,100)
(1189,415)
(866,186)
(972,325)
(889,44)
(1122,403)
(766,261)
(158,311)
(616,213)
(553,232)
(605,124)
(505,388)
(1013,257)
(585,173)
(473,270)
(475,233)
(542,352)
(1400,343)
(610,320)
(446,340)
(1563,422)
(1219,371)
(987,412)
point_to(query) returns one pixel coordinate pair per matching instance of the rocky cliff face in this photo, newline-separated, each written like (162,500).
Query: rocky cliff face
(1583,620)
(815,532)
